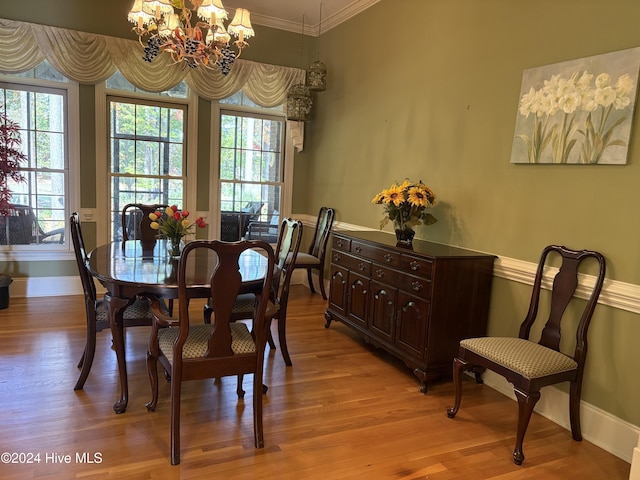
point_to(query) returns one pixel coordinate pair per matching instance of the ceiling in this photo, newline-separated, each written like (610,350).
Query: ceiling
(288,14)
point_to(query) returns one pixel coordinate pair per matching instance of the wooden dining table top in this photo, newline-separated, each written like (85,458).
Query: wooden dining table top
(130,270)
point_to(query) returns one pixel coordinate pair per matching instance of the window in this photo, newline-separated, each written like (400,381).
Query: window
(41,202)
(251,171)
(147,155)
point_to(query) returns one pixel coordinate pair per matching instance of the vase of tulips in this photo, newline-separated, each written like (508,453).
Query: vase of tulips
(174,224)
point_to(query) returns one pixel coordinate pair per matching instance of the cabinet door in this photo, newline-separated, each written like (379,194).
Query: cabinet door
(383,311)
(358,299)
(338,289)
(413,324)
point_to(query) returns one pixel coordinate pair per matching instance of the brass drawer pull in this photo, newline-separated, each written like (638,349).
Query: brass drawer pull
(379,273)
(340,243)
(336,257)
(414,265)
(417,286)
(388,257)
(362,266)
(358,249)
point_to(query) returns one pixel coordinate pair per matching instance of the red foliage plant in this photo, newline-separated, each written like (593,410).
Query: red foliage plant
(11,158)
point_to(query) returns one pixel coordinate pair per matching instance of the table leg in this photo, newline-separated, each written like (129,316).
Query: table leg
(115,307)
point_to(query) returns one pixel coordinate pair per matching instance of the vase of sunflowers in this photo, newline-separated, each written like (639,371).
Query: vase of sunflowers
(173,225)
(406,205)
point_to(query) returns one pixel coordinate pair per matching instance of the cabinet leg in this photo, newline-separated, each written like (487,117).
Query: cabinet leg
(328,317)
(424,378)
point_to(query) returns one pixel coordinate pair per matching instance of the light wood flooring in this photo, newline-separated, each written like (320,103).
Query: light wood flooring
(344,410)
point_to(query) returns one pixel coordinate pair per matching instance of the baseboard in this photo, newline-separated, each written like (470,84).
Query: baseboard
(45,286)
(598,427)
(635,464)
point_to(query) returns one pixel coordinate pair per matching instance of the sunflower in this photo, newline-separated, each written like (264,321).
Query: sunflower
(418,197)
(395,195)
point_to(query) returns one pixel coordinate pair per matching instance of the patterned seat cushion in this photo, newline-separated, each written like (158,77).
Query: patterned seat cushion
(529,359)
(197,341)
(138,309)
(244,303)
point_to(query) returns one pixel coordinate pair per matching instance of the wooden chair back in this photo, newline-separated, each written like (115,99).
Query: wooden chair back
(136,224)
(564,286)
(321,234)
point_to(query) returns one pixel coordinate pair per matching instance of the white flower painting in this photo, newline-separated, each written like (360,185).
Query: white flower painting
(577,112)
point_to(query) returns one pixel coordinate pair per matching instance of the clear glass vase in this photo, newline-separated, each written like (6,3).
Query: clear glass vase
(175,246)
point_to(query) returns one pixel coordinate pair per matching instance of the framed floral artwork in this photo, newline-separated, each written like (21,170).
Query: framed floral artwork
(577,112)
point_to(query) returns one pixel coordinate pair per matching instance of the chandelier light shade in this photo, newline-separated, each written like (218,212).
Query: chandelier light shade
(299,102)
(165,26)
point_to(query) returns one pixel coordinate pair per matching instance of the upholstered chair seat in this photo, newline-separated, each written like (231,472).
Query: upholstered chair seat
(197,342)
(529,359)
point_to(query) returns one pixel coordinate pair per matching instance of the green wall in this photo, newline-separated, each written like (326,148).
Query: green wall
(438,103)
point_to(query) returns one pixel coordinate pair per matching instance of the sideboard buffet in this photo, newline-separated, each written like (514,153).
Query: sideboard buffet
(417,303)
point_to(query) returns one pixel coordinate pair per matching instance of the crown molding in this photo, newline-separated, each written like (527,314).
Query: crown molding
(333,20)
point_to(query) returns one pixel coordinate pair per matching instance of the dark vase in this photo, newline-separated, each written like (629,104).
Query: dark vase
(404,235)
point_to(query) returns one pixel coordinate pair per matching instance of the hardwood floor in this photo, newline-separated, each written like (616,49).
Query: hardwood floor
(342,411)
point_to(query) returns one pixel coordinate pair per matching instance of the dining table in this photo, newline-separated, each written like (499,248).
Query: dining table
(128,268)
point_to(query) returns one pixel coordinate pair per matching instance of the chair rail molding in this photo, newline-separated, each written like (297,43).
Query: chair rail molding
(620,295)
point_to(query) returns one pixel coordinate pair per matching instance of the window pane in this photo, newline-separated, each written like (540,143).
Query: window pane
(251,159)
(147,143)
(39,206)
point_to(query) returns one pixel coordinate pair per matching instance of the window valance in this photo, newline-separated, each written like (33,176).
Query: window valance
(92,58)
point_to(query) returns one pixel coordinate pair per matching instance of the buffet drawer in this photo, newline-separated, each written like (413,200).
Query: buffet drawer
(381,255)
(352,263)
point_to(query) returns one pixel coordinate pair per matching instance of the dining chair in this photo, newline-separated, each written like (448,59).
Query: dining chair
(136,224)
(314,258)
(138,313)
(287,246)
(529,365)
(192,351)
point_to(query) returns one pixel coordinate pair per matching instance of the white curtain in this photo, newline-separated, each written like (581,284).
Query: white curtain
(91,58)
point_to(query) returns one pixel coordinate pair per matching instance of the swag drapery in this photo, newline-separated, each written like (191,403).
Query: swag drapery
(92,58)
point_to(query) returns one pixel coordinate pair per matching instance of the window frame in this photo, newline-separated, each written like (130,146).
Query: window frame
(217,110)
(103,200)
(54,252)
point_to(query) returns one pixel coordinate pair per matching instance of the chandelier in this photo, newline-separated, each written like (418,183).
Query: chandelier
(167,27)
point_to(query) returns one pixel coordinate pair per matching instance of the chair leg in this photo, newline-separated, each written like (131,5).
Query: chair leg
(152,369)
(574,409)
(459,366)
(282,339)
(239,389)
(321,278)
(176,385)
(81,362)
(87,356)
(207,314)
(526,402)
(272,344)
(310,281)
(258,387)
